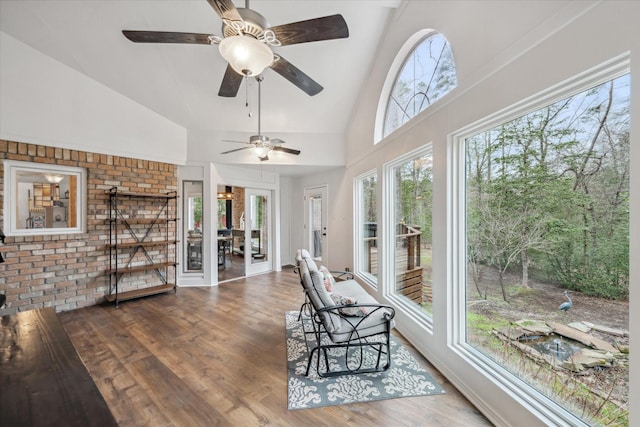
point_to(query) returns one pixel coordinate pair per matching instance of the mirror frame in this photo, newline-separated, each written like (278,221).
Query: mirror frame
(11,170)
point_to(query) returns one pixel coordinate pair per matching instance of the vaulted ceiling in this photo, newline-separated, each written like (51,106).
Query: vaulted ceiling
(181,82)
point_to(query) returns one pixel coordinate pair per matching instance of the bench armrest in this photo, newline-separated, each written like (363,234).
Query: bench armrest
(342,275)
(344,328)
(390,312)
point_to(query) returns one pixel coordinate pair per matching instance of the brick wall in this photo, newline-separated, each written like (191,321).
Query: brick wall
(68,271)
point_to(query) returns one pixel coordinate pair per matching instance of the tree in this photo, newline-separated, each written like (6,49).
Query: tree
(557,181)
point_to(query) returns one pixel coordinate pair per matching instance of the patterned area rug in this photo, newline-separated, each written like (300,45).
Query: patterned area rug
(406,376)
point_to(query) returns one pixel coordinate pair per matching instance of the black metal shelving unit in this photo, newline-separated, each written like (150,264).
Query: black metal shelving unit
(132,241)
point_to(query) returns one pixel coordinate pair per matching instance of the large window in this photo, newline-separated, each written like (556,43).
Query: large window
(409,196)
(547,248)
(427,74)
(44,199)
(366,226)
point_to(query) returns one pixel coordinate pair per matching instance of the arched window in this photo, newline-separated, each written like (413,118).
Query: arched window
(427,74)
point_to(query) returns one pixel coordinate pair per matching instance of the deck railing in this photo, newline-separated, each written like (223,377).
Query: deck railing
(409,271)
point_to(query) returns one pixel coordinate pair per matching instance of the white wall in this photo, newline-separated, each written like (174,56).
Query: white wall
(287,253)
(505,52)
(45,102)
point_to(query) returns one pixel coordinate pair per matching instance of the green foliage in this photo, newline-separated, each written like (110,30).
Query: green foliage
(197,210)
(549,192)
(478,323)
(415,186)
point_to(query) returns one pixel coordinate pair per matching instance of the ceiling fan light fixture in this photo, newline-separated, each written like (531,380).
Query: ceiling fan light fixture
(54,178)
(246,55)
(261,150)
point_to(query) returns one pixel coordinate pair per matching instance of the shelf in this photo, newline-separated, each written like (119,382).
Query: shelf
(141,220)
(139,293)
(139,268)
(125,245)
(129,243)
(171,195)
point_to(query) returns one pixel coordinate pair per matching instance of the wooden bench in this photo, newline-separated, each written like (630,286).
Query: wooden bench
(43,382)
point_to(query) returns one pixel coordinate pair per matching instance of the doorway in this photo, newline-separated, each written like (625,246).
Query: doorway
(244,232)
(316,215)
(230,214)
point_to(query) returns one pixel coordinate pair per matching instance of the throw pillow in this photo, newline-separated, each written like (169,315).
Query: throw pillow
(329,281)
(348,311)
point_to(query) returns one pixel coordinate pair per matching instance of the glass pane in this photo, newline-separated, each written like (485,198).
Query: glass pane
(412,249)
(259,228)
(368,248)
(548,250)
(427,75)
(192,191)
(45,200)
(231,232)
(316,226)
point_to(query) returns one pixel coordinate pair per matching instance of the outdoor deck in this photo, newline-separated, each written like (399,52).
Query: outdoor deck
(413,280)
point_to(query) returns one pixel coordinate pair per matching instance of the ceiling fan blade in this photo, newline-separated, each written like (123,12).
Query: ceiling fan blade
(167,37)
(286,150)
(312,30)
(226,9)
(230,83)
(236,149)
(262,159)
(296,76)
(238,142)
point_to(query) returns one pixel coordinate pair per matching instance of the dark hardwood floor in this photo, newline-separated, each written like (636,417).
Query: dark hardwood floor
(233,268)
(216,356)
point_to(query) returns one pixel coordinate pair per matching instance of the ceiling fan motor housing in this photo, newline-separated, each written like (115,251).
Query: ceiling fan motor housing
(259,140)
(254,24)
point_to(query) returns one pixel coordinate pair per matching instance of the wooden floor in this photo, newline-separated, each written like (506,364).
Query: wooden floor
(233,268)
(217,356)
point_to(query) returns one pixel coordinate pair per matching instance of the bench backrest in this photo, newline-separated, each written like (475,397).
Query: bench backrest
(312,281)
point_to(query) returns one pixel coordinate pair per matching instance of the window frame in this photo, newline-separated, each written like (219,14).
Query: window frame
(404,54)
(359,257)
(388,236)
(10,208)
(456,234)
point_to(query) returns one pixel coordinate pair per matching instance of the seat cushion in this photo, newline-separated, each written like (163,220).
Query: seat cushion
(351,288)
(311,264)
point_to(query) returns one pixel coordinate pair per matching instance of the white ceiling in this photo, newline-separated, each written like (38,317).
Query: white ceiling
(181,82)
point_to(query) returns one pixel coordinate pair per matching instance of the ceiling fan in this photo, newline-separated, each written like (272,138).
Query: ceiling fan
(262,145)
(247,40)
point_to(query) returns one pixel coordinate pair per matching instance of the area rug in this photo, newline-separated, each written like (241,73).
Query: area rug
(406,376)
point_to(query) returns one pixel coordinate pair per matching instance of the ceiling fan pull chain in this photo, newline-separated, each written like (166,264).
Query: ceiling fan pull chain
(246,102)
(259,79)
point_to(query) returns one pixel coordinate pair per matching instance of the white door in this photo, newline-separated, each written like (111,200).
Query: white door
(316,215)
(258,239)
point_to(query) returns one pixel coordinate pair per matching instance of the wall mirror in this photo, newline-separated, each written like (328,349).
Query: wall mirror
(192,199)
(43,199)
